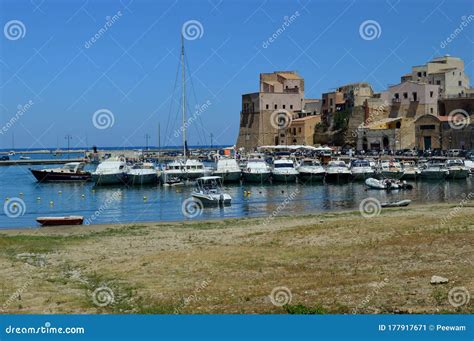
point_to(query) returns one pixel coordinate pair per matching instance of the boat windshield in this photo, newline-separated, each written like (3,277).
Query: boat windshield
(360,163)
(284,165)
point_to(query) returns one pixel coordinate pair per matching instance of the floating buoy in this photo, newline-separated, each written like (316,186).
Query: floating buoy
(60,192)
(83,196)
(93,191)
(7,198)
(14,205)
(51,202)
(21,194)
(144,198)
(38,198)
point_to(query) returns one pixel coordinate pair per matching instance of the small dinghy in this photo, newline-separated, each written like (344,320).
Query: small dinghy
(387,184)
(401,203)
(54,221)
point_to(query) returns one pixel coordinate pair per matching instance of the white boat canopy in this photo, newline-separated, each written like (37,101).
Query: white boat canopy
(295,147)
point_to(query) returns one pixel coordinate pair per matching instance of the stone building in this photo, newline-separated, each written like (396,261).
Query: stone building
(447,72)
(268,115)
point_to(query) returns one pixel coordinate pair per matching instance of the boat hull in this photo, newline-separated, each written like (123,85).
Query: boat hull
(208,200)
(229,176)
(42,176)
(142,179)
(433,175)
(60,221)
(284,177)
(392,174)
(337,177)
(256,177)
(310,177)
(109,179)
(458,174)
(361,176)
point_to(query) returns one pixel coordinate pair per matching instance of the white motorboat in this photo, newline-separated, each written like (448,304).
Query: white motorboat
(361,169)
(410,170)
(187,169)
(22,157)
(141,174)
(256,170)
(457,169)
(228,169)
(311,170)
(209,191)
(284,171)
(434,170)
(337,171)
(110,172)
(391,169)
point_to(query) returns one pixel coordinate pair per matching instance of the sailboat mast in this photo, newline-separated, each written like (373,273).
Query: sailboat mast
(183,105)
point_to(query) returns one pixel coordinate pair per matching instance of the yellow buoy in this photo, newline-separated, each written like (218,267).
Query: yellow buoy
(51,202)
(60,192)
(144,198)
(6,199)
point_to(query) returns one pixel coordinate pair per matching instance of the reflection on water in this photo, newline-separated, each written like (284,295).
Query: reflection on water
(155,203)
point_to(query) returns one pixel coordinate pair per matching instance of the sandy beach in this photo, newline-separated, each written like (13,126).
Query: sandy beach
(327,263)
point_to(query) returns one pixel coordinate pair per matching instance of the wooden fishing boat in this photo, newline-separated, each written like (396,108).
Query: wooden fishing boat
(55,221)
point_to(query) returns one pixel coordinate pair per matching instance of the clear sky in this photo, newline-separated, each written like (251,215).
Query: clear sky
(51,68)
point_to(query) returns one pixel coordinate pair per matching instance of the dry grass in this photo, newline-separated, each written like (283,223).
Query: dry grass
(335,263)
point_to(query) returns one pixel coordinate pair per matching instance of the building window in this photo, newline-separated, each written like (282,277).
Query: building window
(405,95)
(397,96)
(431,110)
(299,130)
(415,96)
(431,94)
(419,74)
(460,83)
(284,106)
(424,74)
(291,106)
(276,106)
(330,101)
(266,107)
(438,82)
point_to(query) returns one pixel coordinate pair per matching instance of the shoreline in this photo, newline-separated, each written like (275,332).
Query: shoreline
(335,262)
(101,226)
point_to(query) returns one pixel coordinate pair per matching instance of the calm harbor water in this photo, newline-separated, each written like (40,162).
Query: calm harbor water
(125,205)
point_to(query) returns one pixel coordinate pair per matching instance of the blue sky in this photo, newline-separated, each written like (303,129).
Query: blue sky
(130,70)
